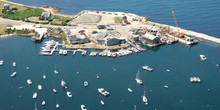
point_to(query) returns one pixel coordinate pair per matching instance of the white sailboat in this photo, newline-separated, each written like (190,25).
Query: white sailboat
(69,94)
(144,98)
(57,106)
(97,76)
(138,80)
(13,74)
(43,103)
(39,87)
(55,71)
(44,77)
(35,95)
(63,84)
(130,90)
(86,83)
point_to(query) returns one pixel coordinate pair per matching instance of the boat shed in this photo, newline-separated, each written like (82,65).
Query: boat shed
(151,38)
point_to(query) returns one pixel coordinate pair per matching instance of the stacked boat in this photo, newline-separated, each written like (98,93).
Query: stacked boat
(47,48)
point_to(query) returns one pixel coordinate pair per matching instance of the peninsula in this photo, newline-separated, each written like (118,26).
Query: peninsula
(92,29)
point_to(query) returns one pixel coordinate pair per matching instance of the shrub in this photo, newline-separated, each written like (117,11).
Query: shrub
(94,32)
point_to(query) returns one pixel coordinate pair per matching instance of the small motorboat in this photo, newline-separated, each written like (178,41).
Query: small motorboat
(83,107)
(35,95)
(39,87)
(97,76)
(191,79)
(61,52)
(168,70)
(86,83)
(14,64)
(13,74)
(203,57)
(102,102)
(56,72)
(29,82)
(165,86)
(64,52)
(54,90)
(57,106)
(44,77)
(27,68)
(68,94)
(147,68)
(130,90)
(1,62)
(103,92)
(43,103)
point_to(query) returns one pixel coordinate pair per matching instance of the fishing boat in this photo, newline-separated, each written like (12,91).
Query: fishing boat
(54,90)
(83,107)
(63,84)
(147,68)
(68,94)
(29,82)
(43,103)
(13,74)
(39,87)
(203,57)
(1,62)
(44,77)
(138,80)
(14,64)
(103,92)
(57,106)
(86,83)
(35,95)
(144,98)
(102,102)
(130,90)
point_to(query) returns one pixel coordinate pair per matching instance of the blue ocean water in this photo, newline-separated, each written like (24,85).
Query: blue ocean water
(197,15)
(183,62)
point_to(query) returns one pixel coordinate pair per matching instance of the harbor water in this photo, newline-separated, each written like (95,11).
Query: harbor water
(182,61)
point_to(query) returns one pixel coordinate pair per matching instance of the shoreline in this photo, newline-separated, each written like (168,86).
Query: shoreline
(174,29)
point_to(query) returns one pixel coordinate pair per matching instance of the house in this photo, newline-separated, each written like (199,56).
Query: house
(6,6)
(78,39)
(58,31)
(47,15)
(108,38)
(67,32)
(72,24)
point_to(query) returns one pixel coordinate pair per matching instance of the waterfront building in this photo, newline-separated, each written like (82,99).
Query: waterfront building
(78,39)
(58,31)
(47,15)
(108,38)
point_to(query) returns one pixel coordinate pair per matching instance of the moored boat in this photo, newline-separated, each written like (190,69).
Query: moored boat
(144,98)
(138,80)
(57,106)
(102,102)
(35,95)
(63,84)
(147,68)
(203,57)
(103,92)
(39,87)
(54,90)
(1,62)
(43,103)
(14,64)
(13,74)
(29,82)
(86,83)
(83,107)
(68,94)
(130,90)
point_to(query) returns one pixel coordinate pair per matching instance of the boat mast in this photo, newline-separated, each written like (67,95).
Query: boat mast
(137,76)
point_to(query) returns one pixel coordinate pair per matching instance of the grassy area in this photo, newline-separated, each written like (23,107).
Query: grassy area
(63,38)
(22,15)
(61,21)
(20,8)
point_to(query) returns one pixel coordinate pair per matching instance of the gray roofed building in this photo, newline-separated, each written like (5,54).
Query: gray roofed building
(58,31)
(6,6)
(47,15)
(77,39)
(108,38)
(151,38)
